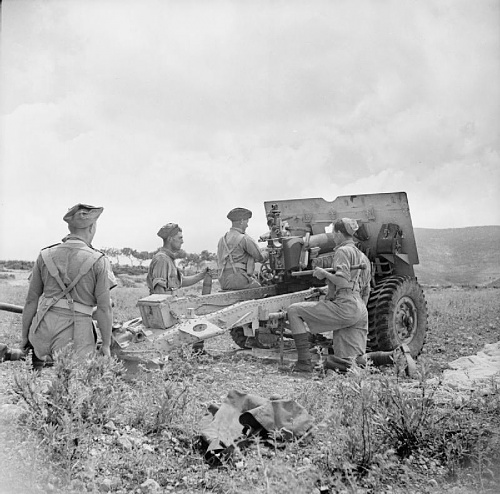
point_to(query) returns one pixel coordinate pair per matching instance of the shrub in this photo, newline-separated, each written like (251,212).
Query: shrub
(129,270)
(81,396)
(19,265)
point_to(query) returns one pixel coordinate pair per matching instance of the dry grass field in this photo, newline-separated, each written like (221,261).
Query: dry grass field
(374,431)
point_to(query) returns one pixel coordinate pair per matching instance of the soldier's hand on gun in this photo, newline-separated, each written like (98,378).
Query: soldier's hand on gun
(320,273)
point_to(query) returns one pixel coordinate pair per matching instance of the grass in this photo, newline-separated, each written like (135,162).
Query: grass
(91,430)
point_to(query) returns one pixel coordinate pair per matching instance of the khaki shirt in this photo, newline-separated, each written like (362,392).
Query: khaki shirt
(163,274)
(242,247)
(68,258)
(346,255)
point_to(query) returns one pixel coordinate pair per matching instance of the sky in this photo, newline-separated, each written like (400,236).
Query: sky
(178,111)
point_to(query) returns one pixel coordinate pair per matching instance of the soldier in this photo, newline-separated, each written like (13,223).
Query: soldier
(343,311)
(163,274)
(69,282)
(237,253)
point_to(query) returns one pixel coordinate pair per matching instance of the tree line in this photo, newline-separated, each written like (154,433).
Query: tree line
(192,261)
(186,260)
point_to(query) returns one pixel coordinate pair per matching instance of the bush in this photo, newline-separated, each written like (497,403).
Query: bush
(19,265)
(129,270)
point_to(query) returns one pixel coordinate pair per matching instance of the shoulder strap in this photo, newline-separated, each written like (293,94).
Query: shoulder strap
(54,272)
(229,254)
(359,259)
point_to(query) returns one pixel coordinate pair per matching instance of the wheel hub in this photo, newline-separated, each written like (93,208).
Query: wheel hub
(405,319)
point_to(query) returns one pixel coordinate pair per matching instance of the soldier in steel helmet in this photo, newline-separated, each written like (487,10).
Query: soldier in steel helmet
(237,253)
(70,282)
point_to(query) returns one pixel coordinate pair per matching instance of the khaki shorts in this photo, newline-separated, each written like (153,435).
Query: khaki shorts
(346,317)
(230,280)
(59,328)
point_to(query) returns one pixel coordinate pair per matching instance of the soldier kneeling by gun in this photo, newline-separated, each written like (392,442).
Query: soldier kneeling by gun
(343,311)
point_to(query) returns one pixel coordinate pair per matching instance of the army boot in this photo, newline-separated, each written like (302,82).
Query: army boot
(303,363)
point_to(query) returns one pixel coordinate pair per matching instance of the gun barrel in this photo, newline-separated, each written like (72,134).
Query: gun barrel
(330,270)
(18,309)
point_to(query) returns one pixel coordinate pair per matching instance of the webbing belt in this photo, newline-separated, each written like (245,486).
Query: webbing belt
(54,272)
(77,306)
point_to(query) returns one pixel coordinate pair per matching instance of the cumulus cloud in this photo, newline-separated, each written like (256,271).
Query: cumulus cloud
(179,111)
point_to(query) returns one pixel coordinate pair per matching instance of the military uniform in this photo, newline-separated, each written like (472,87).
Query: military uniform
(237,253)
(343,311)
(68,280)
(163,274)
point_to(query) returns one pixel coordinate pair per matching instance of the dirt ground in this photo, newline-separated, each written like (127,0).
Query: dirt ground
(461,322)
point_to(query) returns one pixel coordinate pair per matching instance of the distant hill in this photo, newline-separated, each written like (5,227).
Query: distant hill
(459,256)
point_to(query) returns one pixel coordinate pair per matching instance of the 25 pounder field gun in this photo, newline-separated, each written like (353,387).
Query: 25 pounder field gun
(299,239)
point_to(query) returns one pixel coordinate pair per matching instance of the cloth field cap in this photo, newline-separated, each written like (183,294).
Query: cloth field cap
(82,215)
(350,225)
(169,230)
(238,214)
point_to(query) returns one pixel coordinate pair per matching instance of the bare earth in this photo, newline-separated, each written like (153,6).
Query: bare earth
(461,322)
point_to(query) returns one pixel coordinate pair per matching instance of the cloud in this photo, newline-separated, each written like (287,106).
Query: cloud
(179,111)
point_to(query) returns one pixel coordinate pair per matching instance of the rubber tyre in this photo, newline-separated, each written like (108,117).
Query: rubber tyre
(397,314)
(239,337)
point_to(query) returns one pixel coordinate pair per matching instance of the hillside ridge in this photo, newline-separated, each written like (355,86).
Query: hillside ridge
(459,256)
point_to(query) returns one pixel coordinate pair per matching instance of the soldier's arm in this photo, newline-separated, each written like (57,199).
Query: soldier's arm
(104,311)
(253,249)
(35,290)
(191,280)
(159,273)
(341,278)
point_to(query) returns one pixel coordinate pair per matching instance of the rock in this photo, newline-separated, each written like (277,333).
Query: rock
(150,485)
(110,425)
(110,484)
(124,442)
(10,412)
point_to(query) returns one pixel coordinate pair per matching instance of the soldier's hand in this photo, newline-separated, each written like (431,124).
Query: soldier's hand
(105,350)
(213,273)
(320,273)
(25,344)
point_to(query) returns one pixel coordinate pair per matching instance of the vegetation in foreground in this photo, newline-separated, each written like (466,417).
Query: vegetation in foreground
(92,430)
(372,434)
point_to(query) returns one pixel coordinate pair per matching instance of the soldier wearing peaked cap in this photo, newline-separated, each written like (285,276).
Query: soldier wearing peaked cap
(70,281)
(237,253)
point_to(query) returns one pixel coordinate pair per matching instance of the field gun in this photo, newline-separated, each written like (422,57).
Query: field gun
(299,239)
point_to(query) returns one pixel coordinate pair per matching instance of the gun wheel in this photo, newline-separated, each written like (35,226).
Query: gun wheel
(239,337)
(397,313)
